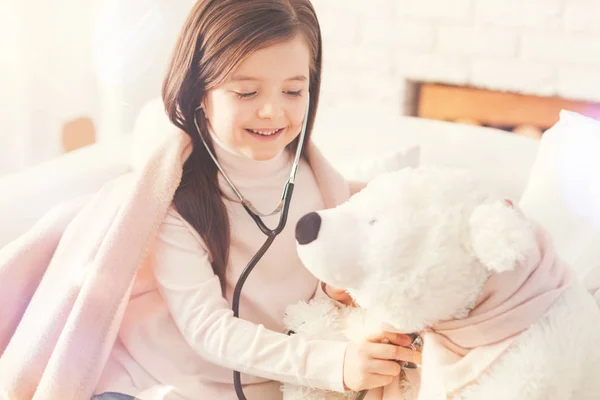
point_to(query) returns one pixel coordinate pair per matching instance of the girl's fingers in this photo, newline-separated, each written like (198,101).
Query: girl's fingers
(340,295)
(392,352)
(374,381)
(383,367)
(382,351)
(409,355)
(391,337)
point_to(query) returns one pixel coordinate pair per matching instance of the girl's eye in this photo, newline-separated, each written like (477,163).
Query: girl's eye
(373,221)
(294,93)
(245,95)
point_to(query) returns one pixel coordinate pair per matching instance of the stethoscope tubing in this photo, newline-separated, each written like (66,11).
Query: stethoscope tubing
(271,234)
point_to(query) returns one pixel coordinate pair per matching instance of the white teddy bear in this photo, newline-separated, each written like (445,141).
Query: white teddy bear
(425,250)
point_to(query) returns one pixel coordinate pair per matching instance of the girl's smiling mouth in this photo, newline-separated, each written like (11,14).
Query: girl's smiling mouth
(265,133)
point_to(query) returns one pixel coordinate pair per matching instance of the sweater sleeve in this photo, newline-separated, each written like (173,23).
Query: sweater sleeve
(356,186)
(320,293)
(192,293)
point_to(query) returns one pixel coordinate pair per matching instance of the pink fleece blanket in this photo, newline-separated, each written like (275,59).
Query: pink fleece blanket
(64,284)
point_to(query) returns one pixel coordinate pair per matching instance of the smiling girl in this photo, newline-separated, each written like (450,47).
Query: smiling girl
(240,79)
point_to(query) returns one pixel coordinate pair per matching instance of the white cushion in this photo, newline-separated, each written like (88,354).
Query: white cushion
(349,136)
(366,170)
(27,195)
(563,192)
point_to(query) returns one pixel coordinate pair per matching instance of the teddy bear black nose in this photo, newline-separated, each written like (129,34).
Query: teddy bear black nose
(307,229)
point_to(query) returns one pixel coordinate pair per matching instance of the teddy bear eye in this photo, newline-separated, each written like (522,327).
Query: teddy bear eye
(373,221)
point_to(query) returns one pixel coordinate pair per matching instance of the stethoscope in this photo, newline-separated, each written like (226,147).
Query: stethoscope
(282,208)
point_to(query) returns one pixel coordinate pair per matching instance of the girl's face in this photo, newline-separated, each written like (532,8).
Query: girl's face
(260,109)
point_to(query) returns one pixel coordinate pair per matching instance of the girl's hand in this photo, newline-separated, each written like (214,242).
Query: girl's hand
(372,364)
(339,295)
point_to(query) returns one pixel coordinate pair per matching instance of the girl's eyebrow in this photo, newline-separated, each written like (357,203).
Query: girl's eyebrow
(300,78)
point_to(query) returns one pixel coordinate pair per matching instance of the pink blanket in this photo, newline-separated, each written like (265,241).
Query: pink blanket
(64,285)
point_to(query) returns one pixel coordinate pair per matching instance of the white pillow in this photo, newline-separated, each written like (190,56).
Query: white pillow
(563,192)
(367,169)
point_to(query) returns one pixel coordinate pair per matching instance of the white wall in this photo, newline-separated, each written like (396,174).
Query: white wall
(543,47)
(101,59)
(13,100)
(105,58)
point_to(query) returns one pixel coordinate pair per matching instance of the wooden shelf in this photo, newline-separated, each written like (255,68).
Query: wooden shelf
(491,108)
(78,133)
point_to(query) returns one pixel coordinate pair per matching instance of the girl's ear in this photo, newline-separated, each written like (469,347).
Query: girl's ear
(501,236)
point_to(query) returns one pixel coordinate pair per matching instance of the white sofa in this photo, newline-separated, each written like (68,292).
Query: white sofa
(347,137)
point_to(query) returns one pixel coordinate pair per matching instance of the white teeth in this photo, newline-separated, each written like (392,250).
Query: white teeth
(264,133)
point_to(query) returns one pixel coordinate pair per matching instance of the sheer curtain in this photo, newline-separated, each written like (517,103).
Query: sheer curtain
(65,59)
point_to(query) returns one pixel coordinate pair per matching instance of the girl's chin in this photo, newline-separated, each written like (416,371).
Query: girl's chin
(263,154)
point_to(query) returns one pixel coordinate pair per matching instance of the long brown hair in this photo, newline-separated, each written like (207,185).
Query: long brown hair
(215,39)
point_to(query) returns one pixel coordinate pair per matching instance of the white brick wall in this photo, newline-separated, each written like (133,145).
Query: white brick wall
(578,82)
(477,41)
(427,67)
(433,10)
(529,14)
(514,75)
(543,47)
(583,16)
(562,48)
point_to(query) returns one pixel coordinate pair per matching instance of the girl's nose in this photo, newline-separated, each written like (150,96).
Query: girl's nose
(270,110)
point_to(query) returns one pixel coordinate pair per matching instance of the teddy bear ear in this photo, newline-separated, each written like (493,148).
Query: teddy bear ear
(501,236)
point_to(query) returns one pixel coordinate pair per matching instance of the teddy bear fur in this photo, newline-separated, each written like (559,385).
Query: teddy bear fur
(415,247)
(330,320)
